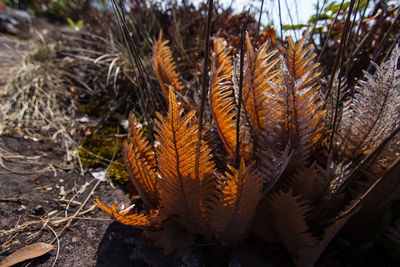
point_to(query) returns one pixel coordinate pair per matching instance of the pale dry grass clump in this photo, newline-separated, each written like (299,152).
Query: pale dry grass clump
(38,94)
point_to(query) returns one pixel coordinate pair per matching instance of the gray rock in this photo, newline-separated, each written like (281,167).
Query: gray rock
(16,22)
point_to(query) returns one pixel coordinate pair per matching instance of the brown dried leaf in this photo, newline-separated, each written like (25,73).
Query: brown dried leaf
(181,193)
(222,100)
(173,238)
(165,67)
(289,218)
(307,256)
(138,220)
(310,183)
(28,252)
(236,203)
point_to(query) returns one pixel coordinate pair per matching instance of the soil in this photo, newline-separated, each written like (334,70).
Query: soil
(31,191)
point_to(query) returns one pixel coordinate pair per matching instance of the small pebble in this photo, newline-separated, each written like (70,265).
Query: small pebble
(62,191)
(38,210)
(22,208)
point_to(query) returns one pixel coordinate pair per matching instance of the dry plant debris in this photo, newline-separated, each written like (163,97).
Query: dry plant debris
(38,90)
(28,252)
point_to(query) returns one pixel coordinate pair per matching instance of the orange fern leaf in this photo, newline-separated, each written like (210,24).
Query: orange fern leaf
(222,99)
(140,162)
(260,77)
(310,183)
(138,220)
(301,100)
(172,238)
(300,65)
(142,175)
(165,67)
(136,138)
(236,203)
(260,69)
(300,60)
(181,194)
(288,215)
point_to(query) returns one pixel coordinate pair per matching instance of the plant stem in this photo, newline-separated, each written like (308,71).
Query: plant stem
(203,87)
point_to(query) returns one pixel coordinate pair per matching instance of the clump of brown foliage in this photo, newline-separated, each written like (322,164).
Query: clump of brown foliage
(283,180)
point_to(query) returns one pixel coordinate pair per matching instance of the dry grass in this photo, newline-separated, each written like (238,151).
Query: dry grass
(39,101)
(49,81)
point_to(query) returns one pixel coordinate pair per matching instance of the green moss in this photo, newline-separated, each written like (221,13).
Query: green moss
(118,173)
(98,149)
(96,108)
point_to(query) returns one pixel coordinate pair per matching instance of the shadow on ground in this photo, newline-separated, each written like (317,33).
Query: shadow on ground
(123,246)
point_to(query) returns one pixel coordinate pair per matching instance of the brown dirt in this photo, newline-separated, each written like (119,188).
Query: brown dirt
(31,191)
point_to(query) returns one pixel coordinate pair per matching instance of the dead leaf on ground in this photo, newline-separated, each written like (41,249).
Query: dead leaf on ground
(26,253)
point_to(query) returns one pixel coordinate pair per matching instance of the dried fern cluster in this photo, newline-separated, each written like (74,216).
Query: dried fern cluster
(280,182)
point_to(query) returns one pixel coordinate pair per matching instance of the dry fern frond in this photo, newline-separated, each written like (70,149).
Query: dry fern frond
(236,203)
(299,60)
(136,138)
(375,110)
(309,183)
(222,99)
(142,175)
(138,220)
(140,162)
(283,122)
(300,100)
(181,194)
(262,110)
(307,256)
(288,215)
(260,67)
(165,67)
(172,238)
